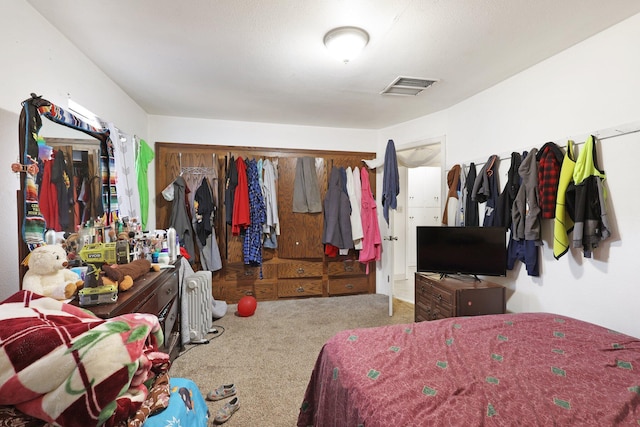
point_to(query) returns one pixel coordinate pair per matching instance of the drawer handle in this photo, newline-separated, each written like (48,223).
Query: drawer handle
(348,267)
(300,270)
(248,293)
(248,272)
(348,286)
(300,289)
(422,288)
(439,297)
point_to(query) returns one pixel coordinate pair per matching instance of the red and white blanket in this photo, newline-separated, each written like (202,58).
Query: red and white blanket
(63,365)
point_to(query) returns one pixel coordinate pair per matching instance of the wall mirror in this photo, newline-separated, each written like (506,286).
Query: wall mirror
(88,173)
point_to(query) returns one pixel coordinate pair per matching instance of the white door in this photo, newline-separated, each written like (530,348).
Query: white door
(395,239)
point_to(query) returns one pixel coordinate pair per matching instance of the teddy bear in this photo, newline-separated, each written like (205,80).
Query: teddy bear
(47,274)
(123,275)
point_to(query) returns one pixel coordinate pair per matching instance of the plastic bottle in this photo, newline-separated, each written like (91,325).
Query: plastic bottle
(172,240)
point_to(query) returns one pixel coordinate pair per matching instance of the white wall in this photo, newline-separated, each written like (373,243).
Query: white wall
(37,58)
(591,86)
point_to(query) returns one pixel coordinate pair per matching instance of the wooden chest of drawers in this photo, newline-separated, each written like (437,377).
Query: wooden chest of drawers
(155,293)
(449,297)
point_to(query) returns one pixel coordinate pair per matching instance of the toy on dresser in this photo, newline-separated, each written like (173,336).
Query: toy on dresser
(47,274)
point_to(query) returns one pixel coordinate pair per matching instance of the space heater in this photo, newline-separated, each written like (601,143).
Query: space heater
(199,301)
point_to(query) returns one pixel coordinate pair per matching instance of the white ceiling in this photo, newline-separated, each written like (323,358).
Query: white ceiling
(264,61)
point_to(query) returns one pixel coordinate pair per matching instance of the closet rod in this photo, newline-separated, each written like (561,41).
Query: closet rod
(578,140)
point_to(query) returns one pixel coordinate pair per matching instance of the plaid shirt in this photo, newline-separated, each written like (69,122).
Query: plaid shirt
(549,163)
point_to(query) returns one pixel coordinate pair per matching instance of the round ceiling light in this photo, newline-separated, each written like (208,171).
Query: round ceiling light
(345,43)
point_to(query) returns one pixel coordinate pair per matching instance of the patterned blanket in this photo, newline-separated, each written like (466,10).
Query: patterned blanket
(61,364)
(526,369)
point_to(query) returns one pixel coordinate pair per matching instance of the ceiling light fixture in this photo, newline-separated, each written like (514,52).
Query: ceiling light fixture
(345,43)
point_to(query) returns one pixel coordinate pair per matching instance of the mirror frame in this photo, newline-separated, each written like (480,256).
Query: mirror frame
(31,223)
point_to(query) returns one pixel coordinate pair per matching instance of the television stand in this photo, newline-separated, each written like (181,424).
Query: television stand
(452,297)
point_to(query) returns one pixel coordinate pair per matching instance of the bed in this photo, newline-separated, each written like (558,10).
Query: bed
(62,365)
(509,369)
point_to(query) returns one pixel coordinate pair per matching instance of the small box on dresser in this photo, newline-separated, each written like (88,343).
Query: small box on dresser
(437,298)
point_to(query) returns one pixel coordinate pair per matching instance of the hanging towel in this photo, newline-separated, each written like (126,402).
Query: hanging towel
(390,181)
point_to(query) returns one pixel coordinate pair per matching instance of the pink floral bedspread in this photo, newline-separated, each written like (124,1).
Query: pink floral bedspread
(498,370)
(61,364)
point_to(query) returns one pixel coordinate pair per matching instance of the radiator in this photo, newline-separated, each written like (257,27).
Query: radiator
(199,306)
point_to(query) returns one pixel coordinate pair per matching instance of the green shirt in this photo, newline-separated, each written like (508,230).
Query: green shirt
(143,158)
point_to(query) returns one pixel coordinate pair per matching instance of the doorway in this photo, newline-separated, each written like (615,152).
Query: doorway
(419,203)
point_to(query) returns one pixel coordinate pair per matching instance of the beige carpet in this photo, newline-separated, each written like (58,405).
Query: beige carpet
(270,355)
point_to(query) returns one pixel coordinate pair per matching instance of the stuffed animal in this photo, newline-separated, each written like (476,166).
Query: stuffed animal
(123,275)
(48,275)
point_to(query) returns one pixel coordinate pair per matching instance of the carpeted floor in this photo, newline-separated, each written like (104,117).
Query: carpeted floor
(270,355)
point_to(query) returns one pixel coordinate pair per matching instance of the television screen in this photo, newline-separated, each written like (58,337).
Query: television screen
(462,250)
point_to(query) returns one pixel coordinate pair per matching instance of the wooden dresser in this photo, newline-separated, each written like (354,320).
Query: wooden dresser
(155,293)
(437,298)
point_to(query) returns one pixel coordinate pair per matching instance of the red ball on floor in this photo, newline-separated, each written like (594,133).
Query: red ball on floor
(247,306)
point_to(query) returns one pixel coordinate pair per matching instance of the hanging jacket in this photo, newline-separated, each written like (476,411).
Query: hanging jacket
(451,205)
(180,217)
(231,182)
(588,200)
(563,224)
(371,241)
(241,215)
(508,195)
(471,215)
(252,246)
(525,213)
(390,180)
(549,163)
(485,189)
(337,212)
(354,201)
(203,207)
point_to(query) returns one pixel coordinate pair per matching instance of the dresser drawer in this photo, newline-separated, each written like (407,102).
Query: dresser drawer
(162,295)
(262,290)
(241,272)
(348,285)
(346,268)
(168,318)
(441,294)
(300,269)
(299,288)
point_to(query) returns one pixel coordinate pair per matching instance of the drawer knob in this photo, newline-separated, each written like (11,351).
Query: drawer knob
(422,288)
(300,270)
(349,286)
(439,297)
(300,289)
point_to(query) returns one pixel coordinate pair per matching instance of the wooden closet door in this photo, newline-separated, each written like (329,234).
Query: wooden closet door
(300,233)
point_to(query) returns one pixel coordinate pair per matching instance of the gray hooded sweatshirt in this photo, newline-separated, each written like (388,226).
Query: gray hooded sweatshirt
(525,212)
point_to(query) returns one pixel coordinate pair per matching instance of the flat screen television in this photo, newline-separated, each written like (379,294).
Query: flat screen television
(476,251)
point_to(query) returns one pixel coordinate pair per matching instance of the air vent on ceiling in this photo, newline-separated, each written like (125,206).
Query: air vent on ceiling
(407,86)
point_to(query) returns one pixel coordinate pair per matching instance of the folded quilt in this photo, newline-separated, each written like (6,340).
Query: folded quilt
(62,364)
